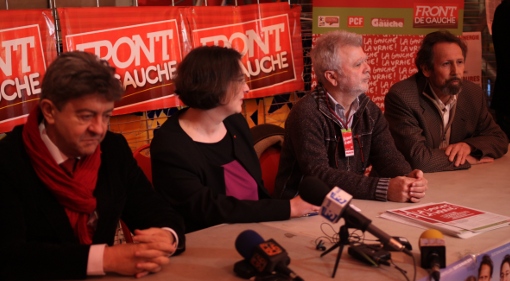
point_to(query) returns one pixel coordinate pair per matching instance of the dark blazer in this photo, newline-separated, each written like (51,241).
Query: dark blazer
(180,171)
(37,241)
(416,125)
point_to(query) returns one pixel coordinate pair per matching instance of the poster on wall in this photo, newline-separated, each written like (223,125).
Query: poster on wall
(144,45)
(27,46)
(268,36)
(493,264)
(392,32)
(473,66)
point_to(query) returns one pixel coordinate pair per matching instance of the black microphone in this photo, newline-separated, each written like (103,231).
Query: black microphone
(267,257)
(335,204)
(244,269)
(433,252)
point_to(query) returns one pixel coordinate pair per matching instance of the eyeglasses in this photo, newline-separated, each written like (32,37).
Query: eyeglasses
(241,78)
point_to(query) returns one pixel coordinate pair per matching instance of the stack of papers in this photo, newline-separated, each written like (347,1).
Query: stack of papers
(451,219)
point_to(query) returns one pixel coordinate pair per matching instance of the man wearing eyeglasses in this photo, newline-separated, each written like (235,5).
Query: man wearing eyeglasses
(336,132)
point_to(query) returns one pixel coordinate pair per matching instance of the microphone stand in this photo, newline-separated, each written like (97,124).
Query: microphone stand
(344,240)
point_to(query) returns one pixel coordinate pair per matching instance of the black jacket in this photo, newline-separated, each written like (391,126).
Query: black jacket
(197,190)
(37,239)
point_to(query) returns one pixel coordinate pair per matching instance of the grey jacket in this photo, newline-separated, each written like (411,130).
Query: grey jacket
(314,146)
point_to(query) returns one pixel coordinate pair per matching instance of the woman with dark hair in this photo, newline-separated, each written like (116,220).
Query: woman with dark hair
(203,160)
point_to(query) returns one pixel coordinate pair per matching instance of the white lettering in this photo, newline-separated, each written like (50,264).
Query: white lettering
(136,45)
(435,11)
(9,47)
(152,75)
(250,39)
(267,64)
(28,84)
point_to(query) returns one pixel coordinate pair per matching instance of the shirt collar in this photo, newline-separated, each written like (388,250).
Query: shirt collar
(452,101)
(337,106)
(57,155)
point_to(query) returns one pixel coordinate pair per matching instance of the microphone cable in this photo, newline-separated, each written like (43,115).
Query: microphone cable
(354,237)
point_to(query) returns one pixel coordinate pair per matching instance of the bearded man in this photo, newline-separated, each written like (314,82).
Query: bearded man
(439,121)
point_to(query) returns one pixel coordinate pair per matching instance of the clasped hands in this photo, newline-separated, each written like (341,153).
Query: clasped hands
(408,188)
(151,250)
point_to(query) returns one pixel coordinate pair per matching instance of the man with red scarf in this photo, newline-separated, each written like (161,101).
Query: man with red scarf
(66,181)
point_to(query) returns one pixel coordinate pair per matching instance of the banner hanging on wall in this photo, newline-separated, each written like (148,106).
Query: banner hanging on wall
(267,35)
(392,32)
(27,46)
(144,44)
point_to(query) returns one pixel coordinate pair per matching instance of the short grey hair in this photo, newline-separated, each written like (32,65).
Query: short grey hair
(325,52)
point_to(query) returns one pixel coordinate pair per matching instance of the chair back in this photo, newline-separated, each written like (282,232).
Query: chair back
(268,141)
(143,158)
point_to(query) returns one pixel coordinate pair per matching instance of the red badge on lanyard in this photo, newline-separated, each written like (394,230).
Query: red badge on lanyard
(348,144)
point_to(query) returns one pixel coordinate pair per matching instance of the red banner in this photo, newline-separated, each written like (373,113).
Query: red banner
(379,3)
(145,45)
(142,43)
(268,36)
(27,46)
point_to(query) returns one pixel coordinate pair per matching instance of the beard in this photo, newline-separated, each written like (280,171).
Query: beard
(355,90)
(449,88)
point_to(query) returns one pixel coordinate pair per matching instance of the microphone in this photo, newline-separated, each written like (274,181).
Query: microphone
(335,204)
(267,257)
(433,252)
(244,269)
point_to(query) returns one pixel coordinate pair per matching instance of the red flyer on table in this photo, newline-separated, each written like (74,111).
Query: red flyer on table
(452,219)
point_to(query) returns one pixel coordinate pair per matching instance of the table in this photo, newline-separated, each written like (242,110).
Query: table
(210,253)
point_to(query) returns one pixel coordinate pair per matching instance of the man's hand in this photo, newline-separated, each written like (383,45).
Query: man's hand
(411,187)
(299,208)
(149,253)
(154,234)
(416,174)
(134,259)
(473,161)
(458,153)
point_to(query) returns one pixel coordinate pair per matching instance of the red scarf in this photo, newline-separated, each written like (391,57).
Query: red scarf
(74,193)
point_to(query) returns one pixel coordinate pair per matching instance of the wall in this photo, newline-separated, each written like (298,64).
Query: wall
(138,128)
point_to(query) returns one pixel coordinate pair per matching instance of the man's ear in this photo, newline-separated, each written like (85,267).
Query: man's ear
(331,77)
(425,70)
(48,110)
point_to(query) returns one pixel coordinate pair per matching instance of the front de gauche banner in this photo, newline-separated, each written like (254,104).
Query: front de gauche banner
(27,46)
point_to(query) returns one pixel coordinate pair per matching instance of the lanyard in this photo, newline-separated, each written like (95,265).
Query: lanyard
(345,125)
(346,132)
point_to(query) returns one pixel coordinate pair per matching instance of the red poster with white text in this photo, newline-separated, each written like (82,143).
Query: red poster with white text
(27,46)
(267,35)
(144,44)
